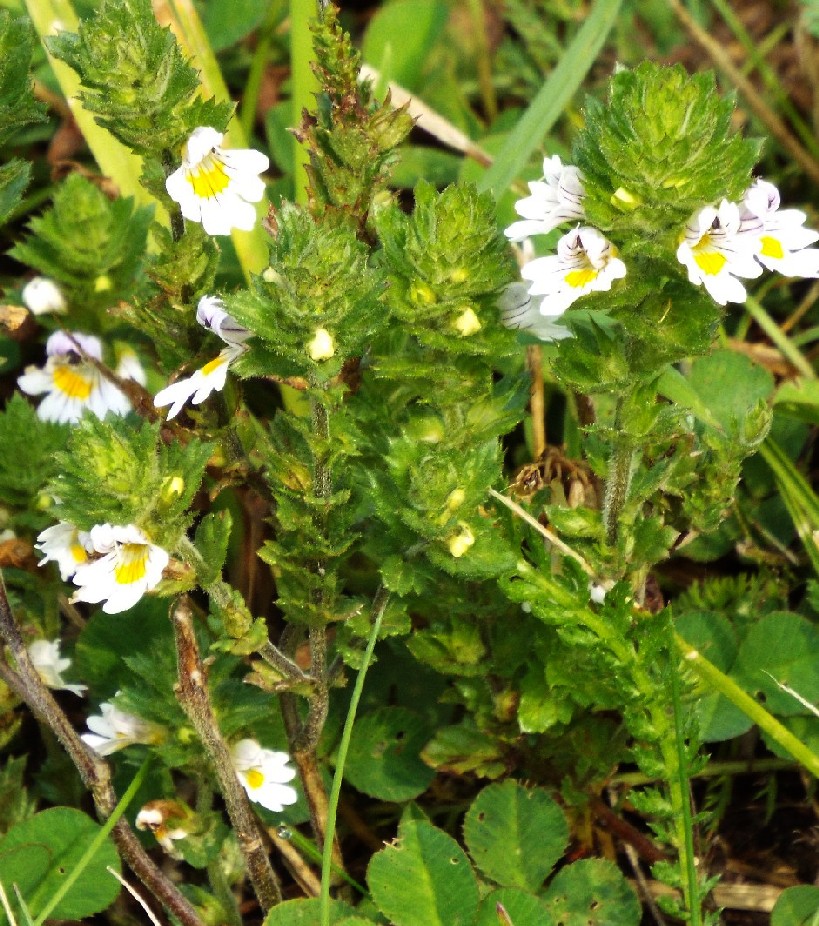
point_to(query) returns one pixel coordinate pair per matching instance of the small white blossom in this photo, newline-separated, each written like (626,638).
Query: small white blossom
(717,247)
(129,566)
(113,729)
(211,314)
(71,384)
(519,310)
(322,347)
(217,187)
(65,545)
(169,821)
(783,239)
(263,774)
(585,262)
(42,296)
(555,199)
(209,378)
(460,543)
(50,665)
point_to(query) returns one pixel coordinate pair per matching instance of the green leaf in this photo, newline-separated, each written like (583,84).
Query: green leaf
(424,879)
(14,178)
(39,853)
(306,913)
(383,760)
(781,647)
(523,909)
(228,21)
(212,539)
(515,835)
(797,906)
(592,892)
(17,105)
(15,804)
(399,38)
(730,386)
(552,97)
(463,748)
(712,635)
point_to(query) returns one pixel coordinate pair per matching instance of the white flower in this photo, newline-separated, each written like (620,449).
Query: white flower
(460,543)
(212,376)
(211,314)
(783,240)
(72,385)
(263,774)
(113,729)
(585,262)
(216,187)
(65,545)
(209,378)
(519,310)
(42,296)
(555,199)
(130,565)
(50,665)
(718,246)
(322,347)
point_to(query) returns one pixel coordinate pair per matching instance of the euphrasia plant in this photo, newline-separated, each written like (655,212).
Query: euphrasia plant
(372,490)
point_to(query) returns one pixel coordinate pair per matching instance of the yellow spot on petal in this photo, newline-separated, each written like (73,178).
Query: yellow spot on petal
(772,247)
(212,365)
(132,565)
(208,178)
(710,262)
(78,553)
(577,279)
(255,779)
(73,382)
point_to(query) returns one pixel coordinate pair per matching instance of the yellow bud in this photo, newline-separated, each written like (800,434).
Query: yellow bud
(459,543)
(102,283)
(458,275)
(623,197)
(421,293)
(674,183)
(456,499)
(322,347)
(467,323)
(172,488)
(271,275)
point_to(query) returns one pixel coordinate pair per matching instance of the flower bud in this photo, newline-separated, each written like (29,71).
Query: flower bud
(467,323)
(102,283)
(42,296)
(322,347)
(459,543)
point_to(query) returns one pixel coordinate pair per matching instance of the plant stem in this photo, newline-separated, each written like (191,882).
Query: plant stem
(94,772)
(193,696)
(765,721)
(618,478)
(379,605)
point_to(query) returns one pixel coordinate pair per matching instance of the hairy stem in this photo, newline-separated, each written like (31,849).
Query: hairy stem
(618,479)
(94,772)
(193,695)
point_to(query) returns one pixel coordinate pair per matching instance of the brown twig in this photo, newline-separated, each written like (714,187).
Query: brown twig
(755,103)
(296,865)
(94,772)
(193,696)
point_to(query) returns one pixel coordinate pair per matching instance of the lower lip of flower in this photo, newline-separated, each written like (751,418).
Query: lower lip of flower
(577,279)
(72,383)
(212,365)
(710,262)
(208,178)
(133,564)
(771,247)
(255,779)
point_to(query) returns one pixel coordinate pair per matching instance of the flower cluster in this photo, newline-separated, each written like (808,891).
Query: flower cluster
(212,376)
(114,564)
(72,381)
(585,261)
(719,246)
(722,244)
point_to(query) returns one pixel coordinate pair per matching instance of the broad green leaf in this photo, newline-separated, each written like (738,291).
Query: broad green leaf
(523,909)
(383,760)
(800,399)
(781,647)
(711,633)
(552,98)
(306,913)
(228,21)
(797,906)
(400,36)
(515,834)
(38,854)
(592,892)
(424,879)
(729,385)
